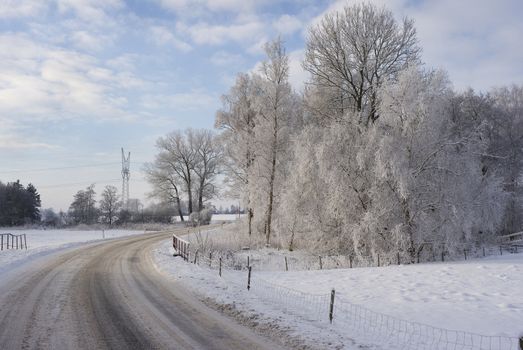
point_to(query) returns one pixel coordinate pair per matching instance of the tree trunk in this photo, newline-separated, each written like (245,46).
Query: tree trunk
(407,219)
(271,182)
(178,202)
(250,215)
(189,189)
(200,196)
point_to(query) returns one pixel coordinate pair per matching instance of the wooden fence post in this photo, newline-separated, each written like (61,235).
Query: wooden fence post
(378,260)
(465,253)
(195,256)
(16,242)
(483,251)
(399,258)
(331,306)
(2,241)
(25,241)
(286,265)
(321,265)
(249,278)
(500,250)
(350,261)
(210,259)
(220,273)
(442,256)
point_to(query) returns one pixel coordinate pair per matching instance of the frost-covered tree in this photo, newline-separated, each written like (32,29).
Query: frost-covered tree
(237,120)
(278,109)
(429,185)
(506,150)
(350,53)
(384,157)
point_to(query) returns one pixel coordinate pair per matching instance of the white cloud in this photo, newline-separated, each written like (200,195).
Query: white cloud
(287,24)
(223,58)
(199,6)
(86,41)
(18,8)
(233,5)
(174,5)
(162,36)
(94,11)
(17,142)
(39,82)
(258,48)
(204,33)
(188,101)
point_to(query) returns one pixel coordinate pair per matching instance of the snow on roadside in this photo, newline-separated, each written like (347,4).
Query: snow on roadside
(480,296)
(231,294)
(43,242)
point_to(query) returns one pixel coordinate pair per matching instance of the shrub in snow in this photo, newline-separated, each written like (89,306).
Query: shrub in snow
(200,218)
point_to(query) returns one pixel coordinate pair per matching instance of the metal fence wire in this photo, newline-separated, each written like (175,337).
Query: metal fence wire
(361,324)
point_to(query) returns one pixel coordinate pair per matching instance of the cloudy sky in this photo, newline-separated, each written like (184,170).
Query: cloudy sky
(79,79)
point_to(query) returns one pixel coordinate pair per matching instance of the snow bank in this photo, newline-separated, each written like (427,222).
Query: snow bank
(478,296)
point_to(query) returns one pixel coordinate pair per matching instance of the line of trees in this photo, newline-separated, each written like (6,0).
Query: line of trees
(86,209)
(379,154)
(19,205)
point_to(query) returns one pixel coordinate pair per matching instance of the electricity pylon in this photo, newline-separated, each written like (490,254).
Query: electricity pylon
(126,174)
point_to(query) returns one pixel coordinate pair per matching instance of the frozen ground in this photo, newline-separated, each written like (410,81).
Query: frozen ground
(483,296)
(42,242)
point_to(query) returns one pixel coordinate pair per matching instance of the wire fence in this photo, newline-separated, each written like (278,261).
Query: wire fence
(279,261)
(345,318)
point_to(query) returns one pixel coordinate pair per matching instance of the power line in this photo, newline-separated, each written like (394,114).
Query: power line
(59,168)
(87,183)
(63,168)
(79,183)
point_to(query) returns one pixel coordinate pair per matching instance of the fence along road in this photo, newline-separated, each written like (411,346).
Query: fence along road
(351,320)
(110,296)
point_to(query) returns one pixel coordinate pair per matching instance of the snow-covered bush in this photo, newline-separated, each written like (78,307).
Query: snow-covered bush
(201,218)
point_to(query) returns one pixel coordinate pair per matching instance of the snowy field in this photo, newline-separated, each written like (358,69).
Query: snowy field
(483,296)
(42,242)
(215,217)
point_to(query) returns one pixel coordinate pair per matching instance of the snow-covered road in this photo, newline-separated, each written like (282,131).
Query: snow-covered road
(109,295)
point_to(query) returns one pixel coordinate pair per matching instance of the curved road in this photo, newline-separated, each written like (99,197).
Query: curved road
(110,296)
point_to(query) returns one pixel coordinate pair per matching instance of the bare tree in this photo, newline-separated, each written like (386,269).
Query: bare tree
(176,150)
(82,209)
(110,204)
(351,53)
(186,167)
(206,163)
(163,175)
